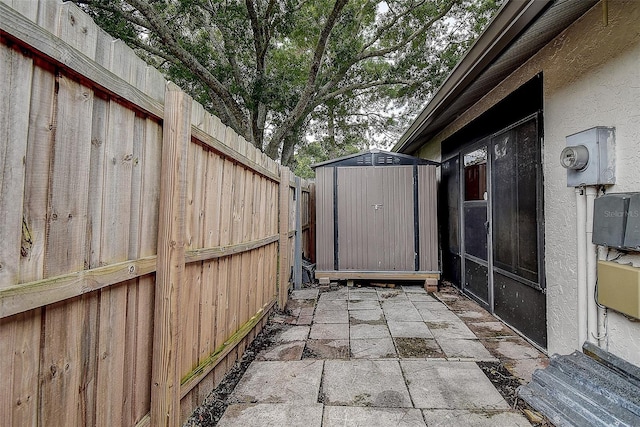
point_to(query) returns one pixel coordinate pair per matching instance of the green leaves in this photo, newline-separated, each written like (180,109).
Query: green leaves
(268,69)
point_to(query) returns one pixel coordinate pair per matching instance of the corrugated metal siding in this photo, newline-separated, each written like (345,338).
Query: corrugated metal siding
(324,218)
(577,390)
(396,250)
(354,217)
(375,218)
(428,218)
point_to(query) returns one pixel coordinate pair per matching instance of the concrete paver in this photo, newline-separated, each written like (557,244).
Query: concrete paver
(457,418)
(421,297)
(431,305)
(294,333)
(328,349)
(409,329)
(465,349)
(382,357)
(341,293)
(364,331)
(364,304)
(437,384)
(329,305)
(438,315)
(372,348)
(401,312)
(368,316)
(309,293)
(377,383)
(272,415)
(286,351)
(331,316)
(280,382)
(331,331)
(450,330)
(363,296)
(353,416)
(490,329)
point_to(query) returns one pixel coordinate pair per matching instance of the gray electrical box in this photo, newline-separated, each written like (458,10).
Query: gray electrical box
(616,221)
(589,157)
(609,219)
(632,231)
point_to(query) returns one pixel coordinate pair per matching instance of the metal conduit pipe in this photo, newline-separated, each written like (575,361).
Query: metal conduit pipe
(581,228)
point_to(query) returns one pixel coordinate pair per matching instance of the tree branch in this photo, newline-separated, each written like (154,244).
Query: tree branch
(364,54)
(305,98)
(233,110)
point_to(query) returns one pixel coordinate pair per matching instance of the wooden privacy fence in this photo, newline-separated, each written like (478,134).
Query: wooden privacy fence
(142,242)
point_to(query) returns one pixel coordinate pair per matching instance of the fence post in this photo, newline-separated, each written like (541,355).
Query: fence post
(283,246)
(165,385)
(297,251)
(312,222)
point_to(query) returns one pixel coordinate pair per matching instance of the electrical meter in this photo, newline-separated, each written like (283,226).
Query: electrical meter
(575,157)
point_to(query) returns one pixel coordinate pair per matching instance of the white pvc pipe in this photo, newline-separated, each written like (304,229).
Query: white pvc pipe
(602,314)
(581,222)
(591,255)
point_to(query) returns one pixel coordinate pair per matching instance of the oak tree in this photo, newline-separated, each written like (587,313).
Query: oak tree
(287,75)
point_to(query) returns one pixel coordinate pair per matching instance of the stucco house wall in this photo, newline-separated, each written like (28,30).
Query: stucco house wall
(591,77)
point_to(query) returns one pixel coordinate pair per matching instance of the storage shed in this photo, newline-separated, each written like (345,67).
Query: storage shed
(376,218)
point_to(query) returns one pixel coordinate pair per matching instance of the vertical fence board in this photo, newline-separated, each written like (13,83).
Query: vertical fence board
(48,15)
(236,237)
(150,159)
(165,392)
(222,318)
(62,364)
(135,223)
(116,204)
(77,28)
(247,296)
(210,268)
(15,96)
(130,352)
(144,347)
(100,118)
(131,336)
(114,349)
(39,148)
(190,292)
(67,221)
(24,7)
(19,368)
(111,355)
(151,188)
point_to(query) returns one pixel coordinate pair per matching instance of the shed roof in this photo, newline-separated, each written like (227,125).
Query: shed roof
(374,157)
(516,33)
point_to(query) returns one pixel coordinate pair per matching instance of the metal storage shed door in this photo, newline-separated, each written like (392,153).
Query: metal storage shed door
(376,218)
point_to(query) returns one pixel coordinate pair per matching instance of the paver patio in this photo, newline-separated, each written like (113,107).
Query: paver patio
(382,357)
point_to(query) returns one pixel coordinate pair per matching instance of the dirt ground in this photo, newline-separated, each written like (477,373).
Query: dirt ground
(209,413)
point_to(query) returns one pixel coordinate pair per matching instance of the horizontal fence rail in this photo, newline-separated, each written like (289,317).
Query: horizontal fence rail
(144,243)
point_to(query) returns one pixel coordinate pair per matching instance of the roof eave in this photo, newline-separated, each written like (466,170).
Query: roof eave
(509,22)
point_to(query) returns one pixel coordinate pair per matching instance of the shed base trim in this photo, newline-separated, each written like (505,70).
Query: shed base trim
(378,275)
